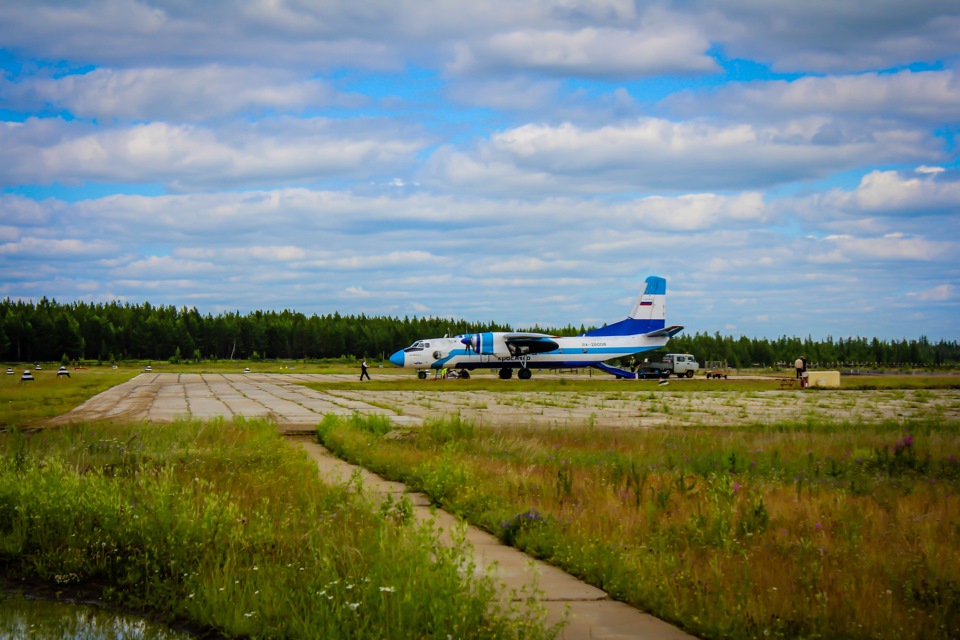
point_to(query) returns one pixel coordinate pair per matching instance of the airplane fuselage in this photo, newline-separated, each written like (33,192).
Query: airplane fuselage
(579,351)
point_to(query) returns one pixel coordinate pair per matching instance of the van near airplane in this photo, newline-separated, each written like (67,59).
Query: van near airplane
(643,330)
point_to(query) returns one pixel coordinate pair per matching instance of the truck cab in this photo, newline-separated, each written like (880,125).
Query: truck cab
(681,364)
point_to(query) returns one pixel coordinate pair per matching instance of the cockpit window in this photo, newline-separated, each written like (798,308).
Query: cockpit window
(419,345)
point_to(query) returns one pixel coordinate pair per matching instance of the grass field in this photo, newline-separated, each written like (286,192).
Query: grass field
(827,530)
(226,527)
(831,526)
(24,404)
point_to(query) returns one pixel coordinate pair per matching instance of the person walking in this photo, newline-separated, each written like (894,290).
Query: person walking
(363,370)
(801,366)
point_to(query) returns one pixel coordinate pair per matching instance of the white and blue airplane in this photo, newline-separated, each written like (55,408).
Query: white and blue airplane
(643,330)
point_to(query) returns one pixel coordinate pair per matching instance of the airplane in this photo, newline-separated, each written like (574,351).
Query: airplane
(644,329)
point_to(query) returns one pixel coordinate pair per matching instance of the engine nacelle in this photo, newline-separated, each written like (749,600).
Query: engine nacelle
(488,344)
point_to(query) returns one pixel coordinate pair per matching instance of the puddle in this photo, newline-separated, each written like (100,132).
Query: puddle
(25,618)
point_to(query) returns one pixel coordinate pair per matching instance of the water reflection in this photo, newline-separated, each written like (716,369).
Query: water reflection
(24,618)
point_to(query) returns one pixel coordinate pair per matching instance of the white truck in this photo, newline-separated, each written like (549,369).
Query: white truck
(678,364)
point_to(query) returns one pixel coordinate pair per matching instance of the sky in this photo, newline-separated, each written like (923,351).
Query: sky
(791,168)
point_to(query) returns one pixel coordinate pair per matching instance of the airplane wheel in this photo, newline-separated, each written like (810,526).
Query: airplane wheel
(524,374)
(506,374)
(422,375)
(464,374)
(690,373)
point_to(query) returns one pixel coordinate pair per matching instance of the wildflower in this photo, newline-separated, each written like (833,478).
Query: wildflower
(353,605)
(817,526)
(387,589)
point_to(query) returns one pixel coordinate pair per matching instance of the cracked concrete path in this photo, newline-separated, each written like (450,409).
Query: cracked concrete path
(592,612)
(164,397)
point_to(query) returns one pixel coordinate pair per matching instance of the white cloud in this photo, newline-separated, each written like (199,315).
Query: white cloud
(940,293)
(15,209)
(167,268)
(932,96)
(54,249)
(191,156)
(660,44)
(891,247)
(650,154)
(929,192)
(175,93)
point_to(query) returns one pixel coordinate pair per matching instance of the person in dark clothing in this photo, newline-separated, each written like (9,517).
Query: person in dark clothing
(363,370)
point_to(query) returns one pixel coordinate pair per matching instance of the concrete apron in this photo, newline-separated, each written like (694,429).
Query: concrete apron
(589,611)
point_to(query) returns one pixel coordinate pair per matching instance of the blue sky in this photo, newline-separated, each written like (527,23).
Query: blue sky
(790,168)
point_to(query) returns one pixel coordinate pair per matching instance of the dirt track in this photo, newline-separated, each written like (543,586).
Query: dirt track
(163,397)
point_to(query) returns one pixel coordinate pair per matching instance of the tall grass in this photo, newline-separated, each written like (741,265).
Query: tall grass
(788,530)
(223,525)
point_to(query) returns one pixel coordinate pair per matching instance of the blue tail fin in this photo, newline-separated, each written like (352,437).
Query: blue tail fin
(649,312)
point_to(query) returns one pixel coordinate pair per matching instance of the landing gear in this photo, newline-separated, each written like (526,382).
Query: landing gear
(506,374)
(422,375)
(464,374)
(524,374)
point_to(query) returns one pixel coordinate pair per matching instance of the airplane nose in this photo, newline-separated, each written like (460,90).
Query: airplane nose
(397,358)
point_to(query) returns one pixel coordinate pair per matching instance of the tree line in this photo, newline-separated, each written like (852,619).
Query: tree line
(48,331)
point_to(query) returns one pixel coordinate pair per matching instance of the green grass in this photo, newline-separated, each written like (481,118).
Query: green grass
(812,529)
(225,526)
(23,404)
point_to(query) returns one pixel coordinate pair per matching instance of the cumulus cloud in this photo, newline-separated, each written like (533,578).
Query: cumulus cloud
(192,156)
(929,191)
(891,247)
(831,37)
(930,96)
(659,46)
(15,209)
(169,93)
(651,153)
(55,249)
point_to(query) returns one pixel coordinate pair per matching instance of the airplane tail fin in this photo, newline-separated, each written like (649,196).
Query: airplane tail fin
(652,303)
(648,315)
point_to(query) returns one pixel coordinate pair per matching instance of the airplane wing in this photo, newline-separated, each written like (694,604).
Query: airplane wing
(513,344)
(667,332)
